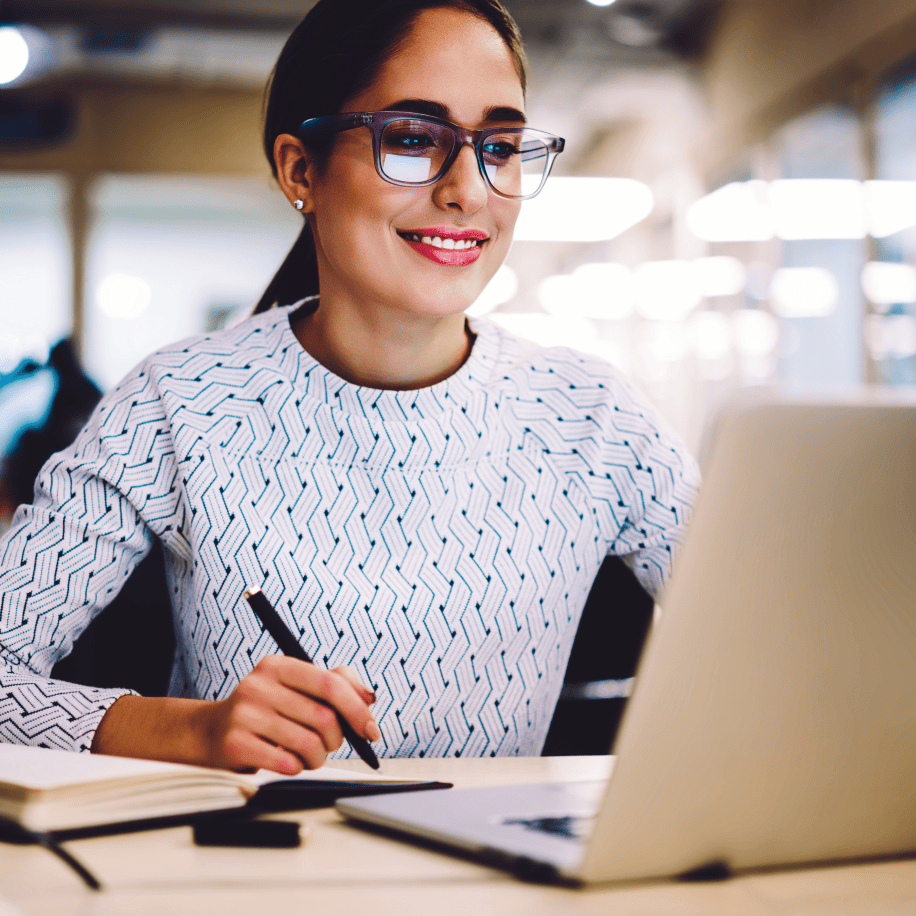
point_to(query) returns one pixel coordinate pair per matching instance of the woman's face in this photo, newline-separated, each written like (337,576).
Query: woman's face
(368,232)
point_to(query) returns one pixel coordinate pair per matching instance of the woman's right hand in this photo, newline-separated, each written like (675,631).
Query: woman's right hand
(280,717)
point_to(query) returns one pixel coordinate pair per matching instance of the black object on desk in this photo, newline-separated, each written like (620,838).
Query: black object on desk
(290,646)
(13,832)
(302,794)
(241,831)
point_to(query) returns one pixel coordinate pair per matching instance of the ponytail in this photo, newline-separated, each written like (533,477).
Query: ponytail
(297,276)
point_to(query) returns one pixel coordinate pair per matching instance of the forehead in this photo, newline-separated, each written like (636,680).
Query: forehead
(452,57)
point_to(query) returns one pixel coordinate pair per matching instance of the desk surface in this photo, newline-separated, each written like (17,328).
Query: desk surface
(342,870)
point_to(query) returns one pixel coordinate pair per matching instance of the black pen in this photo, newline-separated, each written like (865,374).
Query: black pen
(290,646)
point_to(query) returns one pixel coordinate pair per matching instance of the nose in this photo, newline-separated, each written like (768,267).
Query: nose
(462,187)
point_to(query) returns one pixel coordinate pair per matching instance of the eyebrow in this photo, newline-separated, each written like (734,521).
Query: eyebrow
(494,115)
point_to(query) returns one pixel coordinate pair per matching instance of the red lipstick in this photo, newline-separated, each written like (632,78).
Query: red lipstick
(446,245)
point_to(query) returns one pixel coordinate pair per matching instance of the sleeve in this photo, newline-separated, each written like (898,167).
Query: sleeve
(65,557)
(661,483)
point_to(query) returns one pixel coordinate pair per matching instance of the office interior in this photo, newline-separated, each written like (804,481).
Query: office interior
(736,206)
(735,210)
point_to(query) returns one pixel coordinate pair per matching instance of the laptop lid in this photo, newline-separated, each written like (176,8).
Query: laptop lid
(774,716)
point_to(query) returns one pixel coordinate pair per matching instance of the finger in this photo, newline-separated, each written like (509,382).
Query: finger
(366,695)
(246,751)
(335,691)
(276,712)
(314,716)
(302,710)
(307,744)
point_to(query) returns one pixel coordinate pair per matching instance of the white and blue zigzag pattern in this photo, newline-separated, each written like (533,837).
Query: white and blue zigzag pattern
(442,542)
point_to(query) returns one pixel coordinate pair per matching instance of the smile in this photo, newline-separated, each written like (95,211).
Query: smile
(436,242)
(447,246)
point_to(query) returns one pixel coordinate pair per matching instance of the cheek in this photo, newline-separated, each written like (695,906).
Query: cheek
(507,213)
(348,188)
(505,216)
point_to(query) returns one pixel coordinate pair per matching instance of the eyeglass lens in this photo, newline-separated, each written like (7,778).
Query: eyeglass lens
(415,151)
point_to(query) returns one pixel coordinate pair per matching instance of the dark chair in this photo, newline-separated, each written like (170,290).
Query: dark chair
(131,643)
(611,633)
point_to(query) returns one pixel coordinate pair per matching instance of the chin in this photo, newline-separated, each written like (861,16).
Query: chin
(441,300)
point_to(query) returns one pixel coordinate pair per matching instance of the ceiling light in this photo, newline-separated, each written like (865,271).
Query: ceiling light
(123,296)
(720,276)
(601,2)
(818,208)
(549,330)
(736,212)
(711,335)
(603,291)
(572,209)
(887,284)
(606,290)
(804,292)
(14,54)
(891,206)
(756,332)
(666,290)
(801,208)
(890,336)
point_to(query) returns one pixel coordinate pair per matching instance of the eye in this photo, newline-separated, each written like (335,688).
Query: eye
(499,151)
(408,140)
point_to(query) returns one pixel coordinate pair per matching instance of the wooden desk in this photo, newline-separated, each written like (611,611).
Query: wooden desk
(342,870)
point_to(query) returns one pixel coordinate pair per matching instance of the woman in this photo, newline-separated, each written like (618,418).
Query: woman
(426,500)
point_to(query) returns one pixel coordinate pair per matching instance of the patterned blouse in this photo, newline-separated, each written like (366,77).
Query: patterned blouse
(441,541)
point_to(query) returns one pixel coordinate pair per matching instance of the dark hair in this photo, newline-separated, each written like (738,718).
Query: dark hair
(331,56)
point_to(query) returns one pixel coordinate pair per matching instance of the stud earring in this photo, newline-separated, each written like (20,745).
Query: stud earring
(299,203)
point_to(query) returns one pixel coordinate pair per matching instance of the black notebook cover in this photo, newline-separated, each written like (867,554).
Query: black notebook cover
(279,795)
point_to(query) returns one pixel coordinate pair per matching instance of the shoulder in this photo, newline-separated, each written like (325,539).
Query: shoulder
(252,343)
(555,373)
(258,336)
(198,374)
(578,404)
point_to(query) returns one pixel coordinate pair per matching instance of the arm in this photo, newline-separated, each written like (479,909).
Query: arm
(56,570)
(658,488)
(62,560)
(279,718)
(98,505)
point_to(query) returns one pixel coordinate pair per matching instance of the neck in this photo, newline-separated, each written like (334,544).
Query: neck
(398,352)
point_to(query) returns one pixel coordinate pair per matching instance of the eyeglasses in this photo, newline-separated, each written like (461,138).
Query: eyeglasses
(414,150)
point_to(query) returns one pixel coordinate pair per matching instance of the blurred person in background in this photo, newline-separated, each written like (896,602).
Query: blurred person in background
(424,499)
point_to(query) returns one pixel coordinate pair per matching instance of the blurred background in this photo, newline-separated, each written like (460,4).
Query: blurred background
(736,205)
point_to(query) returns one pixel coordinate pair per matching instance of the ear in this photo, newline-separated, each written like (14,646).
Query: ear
(295,169)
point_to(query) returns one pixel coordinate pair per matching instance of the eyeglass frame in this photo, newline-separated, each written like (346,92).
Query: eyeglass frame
(377,121)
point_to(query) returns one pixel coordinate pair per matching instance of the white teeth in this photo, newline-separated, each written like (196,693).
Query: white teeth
(450,244)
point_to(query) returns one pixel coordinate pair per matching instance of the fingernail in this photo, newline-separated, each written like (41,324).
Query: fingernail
(372,732)
(370,697)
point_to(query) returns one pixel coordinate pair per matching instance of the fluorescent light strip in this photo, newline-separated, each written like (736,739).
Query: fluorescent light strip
(816,208)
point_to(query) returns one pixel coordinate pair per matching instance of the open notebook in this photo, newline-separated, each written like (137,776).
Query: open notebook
(74,794)
(773,720)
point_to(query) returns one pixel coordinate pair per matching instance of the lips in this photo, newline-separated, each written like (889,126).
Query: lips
(447,246)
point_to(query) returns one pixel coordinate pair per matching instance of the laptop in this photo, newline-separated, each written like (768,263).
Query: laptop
(773,719)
